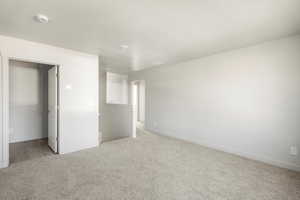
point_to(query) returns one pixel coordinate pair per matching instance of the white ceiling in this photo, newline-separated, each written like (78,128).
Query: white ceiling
(165,31)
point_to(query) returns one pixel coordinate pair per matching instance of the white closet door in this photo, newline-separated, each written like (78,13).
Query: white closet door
(52,109)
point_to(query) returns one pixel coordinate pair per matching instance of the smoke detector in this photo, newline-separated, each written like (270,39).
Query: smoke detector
(41,18)
(124,46)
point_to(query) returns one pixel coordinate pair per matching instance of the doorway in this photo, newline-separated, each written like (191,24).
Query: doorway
(33,110)
(138,104)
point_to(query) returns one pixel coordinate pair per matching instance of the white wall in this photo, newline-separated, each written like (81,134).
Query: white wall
(78,92)
(245,101)
(115,119)
(27,99)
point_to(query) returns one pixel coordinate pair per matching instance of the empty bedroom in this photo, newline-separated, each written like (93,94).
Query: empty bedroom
(153,100)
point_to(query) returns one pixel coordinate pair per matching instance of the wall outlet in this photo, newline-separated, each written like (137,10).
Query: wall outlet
(293,150)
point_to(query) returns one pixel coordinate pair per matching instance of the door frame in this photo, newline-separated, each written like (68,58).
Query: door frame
(133,109)
(5,102)
(134,113)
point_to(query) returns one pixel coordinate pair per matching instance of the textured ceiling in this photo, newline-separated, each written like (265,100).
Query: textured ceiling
(156,32)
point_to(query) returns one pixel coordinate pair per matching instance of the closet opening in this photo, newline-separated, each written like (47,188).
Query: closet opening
(33,110)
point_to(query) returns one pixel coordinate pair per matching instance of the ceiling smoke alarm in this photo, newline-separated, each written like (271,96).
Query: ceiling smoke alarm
(41,18)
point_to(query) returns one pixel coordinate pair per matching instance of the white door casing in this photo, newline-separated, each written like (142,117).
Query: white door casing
(133,108)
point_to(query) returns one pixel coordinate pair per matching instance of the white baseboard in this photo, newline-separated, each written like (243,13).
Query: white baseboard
(28,139)
(4,164)
(260,158)
(250,156)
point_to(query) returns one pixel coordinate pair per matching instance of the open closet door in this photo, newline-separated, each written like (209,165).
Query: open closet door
(53,109)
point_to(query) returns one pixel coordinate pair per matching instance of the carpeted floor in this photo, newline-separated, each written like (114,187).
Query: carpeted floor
(148,167)
(23,151)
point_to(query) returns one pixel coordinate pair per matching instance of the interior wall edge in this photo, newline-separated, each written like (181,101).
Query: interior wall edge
(1,120)
(5,108)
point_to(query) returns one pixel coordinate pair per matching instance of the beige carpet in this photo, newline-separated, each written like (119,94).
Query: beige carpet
(148,167)
(22,151)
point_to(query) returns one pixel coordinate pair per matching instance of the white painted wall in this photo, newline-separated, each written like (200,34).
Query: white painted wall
(78,92)
(115,119)
(245,101)
(27,101)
